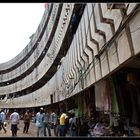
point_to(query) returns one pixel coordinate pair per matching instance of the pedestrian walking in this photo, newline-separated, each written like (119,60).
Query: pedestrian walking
(63,128)
(27,118)
(14,118)
(73,125)
(47,123)
(2,120)
(53,120)
(40,122)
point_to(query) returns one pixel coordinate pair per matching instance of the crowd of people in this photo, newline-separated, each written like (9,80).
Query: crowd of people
(67,124)
(64,124)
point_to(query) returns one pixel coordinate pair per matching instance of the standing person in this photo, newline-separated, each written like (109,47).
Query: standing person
(53,120)
(63,128)
(99,129)
(40,122)
(27,118)
(91,124)
(73,125)
(14,118)
(47,123)
(114,123)
(84,129)
(2,120)
(79,123)
(58,126)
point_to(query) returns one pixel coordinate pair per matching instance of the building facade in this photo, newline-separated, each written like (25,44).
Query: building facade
(85,56)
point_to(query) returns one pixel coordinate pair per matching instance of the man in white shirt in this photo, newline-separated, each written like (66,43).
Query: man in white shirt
(40,122)
(14,118)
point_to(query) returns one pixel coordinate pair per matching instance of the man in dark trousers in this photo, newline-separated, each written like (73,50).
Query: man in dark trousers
(27,118)
(14,118)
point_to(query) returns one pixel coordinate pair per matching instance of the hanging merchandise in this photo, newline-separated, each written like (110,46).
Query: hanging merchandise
(107,97)
(99,95)
(114,103)
(85,106)
(90,101)
(80,105)
(118,80)
(132,82)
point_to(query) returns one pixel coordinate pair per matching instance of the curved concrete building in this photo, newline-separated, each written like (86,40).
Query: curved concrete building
(78,64)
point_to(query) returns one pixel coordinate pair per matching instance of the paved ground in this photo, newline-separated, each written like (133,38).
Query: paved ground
(31,133)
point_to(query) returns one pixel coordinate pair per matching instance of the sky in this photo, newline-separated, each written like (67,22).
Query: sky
(18,21)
